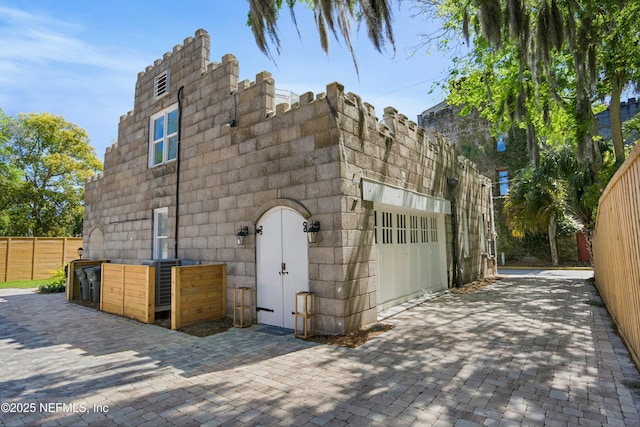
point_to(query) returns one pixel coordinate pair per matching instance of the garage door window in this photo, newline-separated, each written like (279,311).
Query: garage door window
(402,228)
(424,229)
(387,228)
(434,230)
(413,228)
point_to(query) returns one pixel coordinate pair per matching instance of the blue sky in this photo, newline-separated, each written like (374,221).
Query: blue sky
(80,58)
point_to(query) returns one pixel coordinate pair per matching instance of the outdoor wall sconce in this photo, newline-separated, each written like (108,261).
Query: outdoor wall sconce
(80,252)
(242,234)
(312,231)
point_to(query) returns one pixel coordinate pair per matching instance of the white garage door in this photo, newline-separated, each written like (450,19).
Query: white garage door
(410,249)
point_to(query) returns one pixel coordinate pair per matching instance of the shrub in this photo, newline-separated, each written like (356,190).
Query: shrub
(51,288)
(57,283)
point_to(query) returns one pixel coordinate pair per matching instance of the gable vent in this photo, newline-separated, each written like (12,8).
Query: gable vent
(161,84)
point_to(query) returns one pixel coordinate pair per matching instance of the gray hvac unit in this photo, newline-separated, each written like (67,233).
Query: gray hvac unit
(163,279)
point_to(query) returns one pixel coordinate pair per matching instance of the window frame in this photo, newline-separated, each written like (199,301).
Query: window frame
(165,138)
(158,252)
(503,181)
(501,143)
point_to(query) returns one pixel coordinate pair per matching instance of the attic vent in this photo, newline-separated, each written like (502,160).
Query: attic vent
(161,84)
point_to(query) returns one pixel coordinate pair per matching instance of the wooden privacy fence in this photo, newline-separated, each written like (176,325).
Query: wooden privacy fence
(128,290)
(616,250)
(32,258)
(198,294)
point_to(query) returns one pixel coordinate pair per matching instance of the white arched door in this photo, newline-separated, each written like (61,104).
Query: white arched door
(282,266)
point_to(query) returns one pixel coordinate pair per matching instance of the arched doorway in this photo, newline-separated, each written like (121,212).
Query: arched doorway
(282,266)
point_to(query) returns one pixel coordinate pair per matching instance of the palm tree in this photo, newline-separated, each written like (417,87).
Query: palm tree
(536,203)
(331,16)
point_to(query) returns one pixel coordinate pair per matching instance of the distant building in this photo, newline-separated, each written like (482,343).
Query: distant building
(628,109)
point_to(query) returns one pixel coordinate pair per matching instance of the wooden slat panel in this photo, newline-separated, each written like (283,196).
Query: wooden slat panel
(4,253)
(48,256)
(19,260)
(21,264)
(125,291)
(616,250)
(198,294)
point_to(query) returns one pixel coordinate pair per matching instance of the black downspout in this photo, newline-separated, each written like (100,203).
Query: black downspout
(452,183)
(175,247)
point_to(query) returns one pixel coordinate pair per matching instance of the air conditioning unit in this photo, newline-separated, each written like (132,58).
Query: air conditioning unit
(163,279)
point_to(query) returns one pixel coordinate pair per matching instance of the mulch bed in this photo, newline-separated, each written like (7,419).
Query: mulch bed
(476,286)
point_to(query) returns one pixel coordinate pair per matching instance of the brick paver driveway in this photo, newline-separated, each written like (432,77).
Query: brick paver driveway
(527,350)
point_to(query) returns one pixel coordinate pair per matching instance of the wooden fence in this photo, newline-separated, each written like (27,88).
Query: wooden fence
(198,294)
(32,258)
(128,290)
(616,251)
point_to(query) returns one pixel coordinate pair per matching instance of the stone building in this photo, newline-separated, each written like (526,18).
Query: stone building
(204,158)
(628,110)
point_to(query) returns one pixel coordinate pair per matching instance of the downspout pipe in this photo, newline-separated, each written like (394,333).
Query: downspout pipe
(452,184)
(178,156)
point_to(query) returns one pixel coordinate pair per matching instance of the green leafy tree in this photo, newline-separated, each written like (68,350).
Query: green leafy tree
(568,54)
(9,176)
(558,56)
(47,160)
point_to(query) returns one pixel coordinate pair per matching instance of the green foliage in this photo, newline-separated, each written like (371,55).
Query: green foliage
(23,284)
(57,283)
(631,128)
(561,186)
(335,17)
(534,200)
(51,288)
(541,65)
(46,160)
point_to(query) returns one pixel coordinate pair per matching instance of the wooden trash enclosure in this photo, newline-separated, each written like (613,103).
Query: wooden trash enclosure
(73,284)
(198,294)
(128,290)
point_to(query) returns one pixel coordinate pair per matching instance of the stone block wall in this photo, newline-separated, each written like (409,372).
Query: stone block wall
(398,152)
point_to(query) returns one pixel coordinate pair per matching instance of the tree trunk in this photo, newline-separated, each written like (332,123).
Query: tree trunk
(553,226)
(616,124)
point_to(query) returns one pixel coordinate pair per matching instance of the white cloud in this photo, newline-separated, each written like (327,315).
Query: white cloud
(28,38)
(51,65)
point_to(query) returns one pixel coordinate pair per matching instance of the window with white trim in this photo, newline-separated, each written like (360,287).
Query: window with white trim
(483,243)
(161,233)
(163,136)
